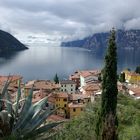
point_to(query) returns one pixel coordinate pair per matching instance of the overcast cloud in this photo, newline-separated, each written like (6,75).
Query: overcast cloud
(67,19)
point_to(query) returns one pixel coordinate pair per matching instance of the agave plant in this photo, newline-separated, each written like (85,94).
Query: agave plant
(27,121)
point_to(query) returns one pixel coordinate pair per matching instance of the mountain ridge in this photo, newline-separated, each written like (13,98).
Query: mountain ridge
(126,39)
(8,43)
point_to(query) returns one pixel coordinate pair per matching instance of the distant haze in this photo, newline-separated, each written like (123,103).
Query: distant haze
(58,20)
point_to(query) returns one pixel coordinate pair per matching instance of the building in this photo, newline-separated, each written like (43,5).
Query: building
(37,96)
(88,77)
(79,98)
(75,109)
(13,86)
(61,102)
(91,89)
(132,77)
(45,86)
(70,105)
(77,104)
(76,78)
(14,79)
(68,86)
(134,92)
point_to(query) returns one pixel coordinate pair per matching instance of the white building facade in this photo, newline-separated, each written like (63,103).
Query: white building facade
(68,86)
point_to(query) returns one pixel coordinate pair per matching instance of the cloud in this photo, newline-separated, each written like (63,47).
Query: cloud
(68,18)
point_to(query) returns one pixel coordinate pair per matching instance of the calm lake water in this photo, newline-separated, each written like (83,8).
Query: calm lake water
(43,61)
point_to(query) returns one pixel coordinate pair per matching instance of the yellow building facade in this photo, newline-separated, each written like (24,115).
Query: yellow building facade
(132,77)
(75,110)
(61,102)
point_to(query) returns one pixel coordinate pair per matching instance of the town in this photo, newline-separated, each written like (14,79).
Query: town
(70,97)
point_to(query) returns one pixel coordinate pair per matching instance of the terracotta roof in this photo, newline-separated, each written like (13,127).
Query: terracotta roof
(136,90)
(11,77)
(78,105)
(51,99)
(89,73)
(92,87)
(75,97)
(61,95)
(37,96)
(67,82)
(137,94)
(42,84)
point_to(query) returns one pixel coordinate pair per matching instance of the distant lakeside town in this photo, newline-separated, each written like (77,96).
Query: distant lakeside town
(71,96)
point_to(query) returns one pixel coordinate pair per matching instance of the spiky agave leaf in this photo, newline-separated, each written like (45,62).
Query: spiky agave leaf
(3,91)
(9,103)
(34,115)
(42,118)
(5,87)
(4,116)
(18,98)
(42,129)
(25,110)
(37,109)
(37,121)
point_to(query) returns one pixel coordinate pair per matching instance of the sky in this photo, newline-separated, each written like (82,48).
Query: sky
(60,20)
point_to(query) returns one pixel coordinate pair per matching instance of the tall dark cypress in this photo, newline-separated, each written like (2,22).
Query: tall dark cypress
(108,118)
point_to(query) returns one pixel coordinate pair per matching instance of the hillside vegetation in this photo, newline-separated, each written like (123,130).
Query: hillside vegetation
(83,127)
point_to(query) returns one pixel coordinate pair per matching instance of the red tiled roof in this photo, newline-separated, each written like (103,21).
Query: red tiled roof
(136,90)
(92,87)
(89,73)
(42,84)
(51,99)
(11,77)
(75,97)
(61,95)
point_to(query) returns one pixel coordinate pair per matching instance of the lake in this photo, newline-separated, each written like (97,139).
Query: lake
(44,61)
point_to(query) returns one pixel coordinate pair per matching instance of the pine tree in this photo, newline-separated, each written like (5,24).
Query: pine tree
(56,79)
(108,119)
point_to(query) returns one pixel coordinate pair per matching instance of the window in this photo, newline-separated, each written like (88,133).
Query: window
(65,90)
(61,85)
(74,109)
(65,100)
(61,89)
(65,85)
(71,85)
(56,105)
(71,89)
(81,109)
(65,105)
(47,105)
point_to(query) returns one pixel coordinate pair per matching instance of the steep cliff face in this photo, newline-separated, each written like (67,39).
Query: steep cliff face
(9,43)
(129,39)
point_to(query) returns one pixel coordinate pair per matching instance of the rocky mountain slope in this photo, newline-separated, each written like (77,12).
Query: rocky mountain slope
(9,43)
(126,39)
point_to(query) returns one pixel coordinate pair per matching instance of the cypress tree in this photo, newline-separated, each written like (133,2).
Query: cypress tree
(56,79)
(108,119)
(122,77)
(137,69)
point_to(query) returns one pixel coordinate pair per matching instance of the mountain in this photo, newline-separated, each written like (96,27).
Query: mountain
(126,39)
(9,43)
